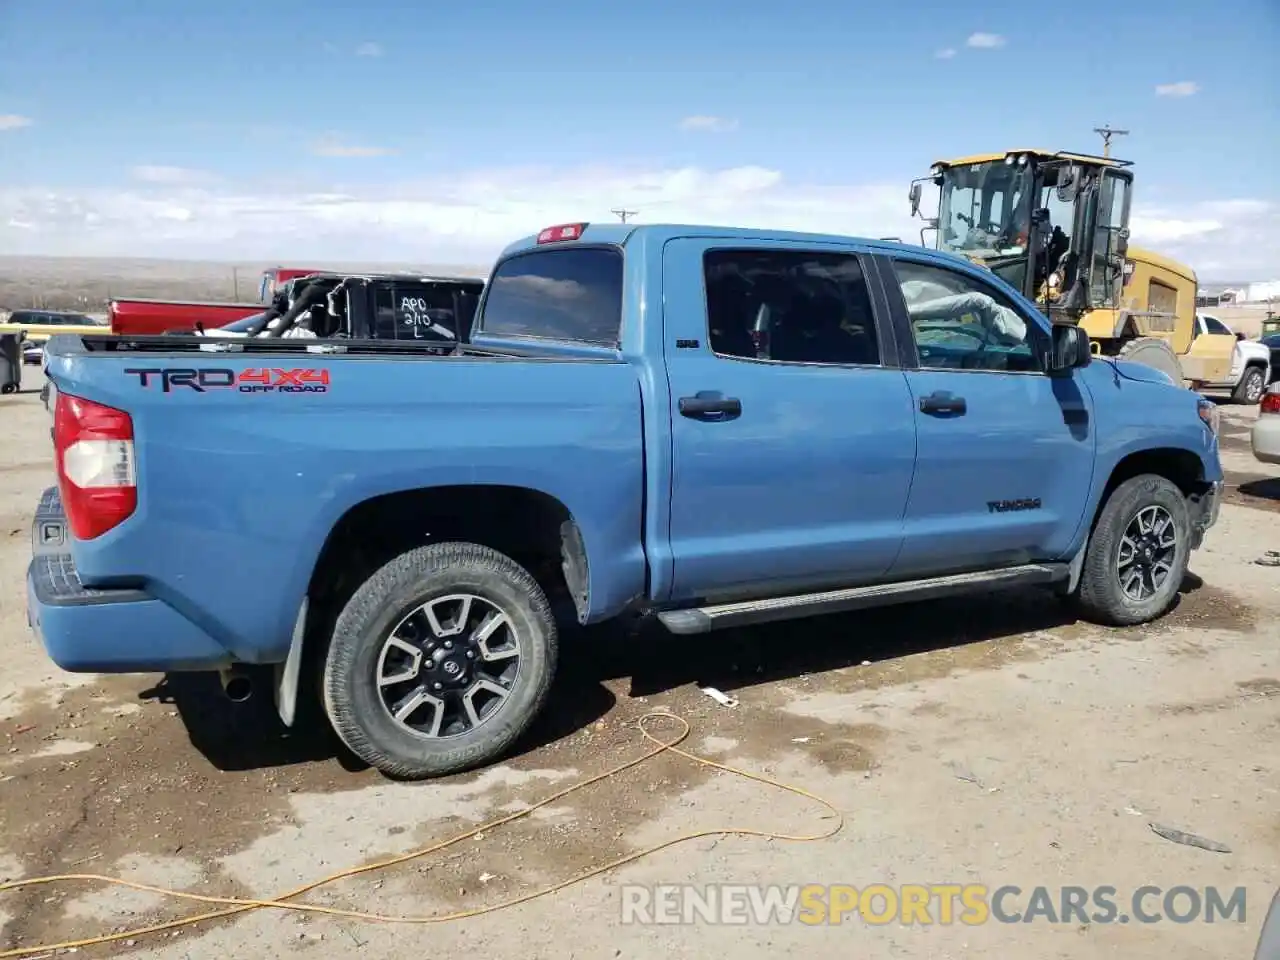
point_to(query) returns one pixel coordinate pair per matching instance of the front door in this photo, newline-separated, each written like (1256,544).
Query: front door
(793,432)
(1212,350)
(1005,453)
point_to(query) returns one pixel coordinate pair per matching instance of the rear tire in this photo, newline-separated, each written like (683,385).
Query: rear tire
(9,388)
(1250,388)
(409,636)
(1137,553)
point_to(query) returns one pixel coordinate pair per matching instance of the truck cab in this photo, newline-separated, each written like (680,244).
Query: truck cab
(1055,226)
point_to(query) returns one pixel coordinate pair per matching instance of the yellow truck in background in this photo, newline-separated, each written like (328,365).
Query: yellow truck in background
(32,328)
(1056,226)
(40,325)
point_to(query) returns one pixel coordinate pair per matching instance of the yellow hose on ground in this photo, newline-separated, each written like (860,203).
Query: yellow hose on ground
(237,905)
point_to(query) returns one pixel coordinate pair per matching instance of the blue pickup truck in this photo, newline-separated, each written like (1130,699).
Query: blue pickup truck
(711,427)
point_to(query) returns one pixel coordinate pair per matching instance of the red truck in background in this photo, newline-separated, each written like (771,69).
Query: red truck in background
(141,318)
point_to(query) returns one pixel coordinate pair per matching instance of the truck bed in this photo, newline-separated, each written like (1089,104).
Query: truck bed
(248,456)
(336,347)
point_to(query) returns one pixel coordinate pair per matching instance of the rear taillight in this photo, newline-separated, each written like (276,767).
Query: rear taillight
(1270,402)
(93,449)
(564,231)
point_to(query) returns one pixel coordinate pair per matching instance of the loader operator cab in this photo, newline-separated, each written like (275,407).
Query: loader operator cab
(1053,225)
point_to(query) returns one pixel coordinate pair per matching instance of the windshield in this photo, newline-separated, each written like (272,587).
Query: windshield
(984,209)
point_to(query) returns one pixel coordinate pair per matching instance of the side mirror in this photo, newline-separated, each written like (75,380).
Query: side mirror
(1069,350)
(914,196)
(1122,242)
(1069,183)
(1239,335)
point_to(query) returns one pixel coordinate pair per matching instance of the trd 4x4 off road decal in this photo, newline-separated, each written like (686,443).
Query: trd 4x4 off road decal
(252,380)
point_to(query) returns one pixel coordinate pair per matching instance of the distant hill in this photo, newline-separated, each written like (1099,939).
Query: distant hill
(88,283)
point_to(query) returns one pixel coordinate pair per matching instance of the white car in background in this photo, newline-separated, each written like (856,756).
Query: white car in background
(1265,438)
(1250,362)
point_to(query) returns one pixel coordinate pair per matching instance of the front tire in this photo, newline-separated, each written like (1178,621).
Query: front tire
(440,661)
(1250,388)
(1137,554)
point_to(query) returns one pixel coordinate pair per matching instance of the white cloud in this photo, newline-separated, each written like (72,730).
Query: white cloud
(13,121)
(1231,239)
(1184,88)
(369,49)
(469,217)
(151,173)
(330,147)
(984,41)
(458,219)
(945,54)
(709,124)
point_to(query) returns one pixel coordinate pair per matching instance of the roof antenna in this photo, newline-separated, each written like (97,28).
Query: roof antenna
(1107,133)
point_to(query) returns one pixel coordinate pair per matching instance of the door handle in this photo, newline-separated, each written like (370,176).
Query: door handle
(710,407)
(943,402)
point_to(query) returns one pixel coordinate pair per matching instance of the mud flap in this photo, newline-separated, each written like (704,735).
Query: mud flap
(286,674)
(1074,569)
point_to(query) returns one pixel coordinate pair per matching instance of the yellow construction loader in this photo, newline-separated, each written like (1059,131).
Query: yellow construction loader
(1056,227)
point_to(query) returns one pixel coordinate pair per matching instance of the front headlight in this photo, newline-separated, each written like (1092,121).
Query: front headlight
(1209,414)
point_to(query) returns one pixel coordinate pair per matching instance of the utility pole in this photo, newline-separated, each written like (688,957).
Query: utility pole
(623,214)
(1107,133)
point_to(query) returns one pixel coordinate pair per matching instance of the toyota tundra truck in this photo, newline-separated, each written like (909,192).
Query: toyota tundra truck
(707,427)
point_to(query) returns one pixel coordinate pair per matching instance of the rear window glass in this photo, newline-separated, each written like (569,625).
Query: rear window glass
(569,294)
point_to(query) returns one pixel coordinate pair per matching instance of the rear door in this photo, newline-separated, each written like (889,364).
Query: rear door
(792,430)
(1005,452)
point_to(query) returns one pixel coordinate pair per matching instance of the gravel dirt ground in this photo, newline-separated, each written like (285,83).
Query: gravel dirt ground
(991,740)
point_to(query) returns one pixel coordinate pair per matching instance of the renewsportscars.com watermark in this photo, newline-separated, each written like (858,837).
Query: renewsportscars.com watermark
(926,904)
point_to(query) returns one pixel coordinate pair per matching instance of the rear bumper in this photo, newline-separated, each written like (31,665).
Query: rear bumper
(88,630)
(1265,439)
(1204,513)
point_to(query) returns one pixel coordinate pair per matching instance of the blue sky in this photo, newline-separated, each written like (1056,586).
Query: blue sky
(246,129)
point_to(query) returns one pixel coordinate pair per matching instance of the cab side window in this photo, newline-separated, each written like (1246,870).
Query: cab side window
(960,323)
(790,307)
(1214,325)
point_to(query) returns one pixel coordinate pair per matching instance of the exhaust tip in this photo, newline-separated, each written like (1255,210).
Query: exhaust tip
(237,687)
